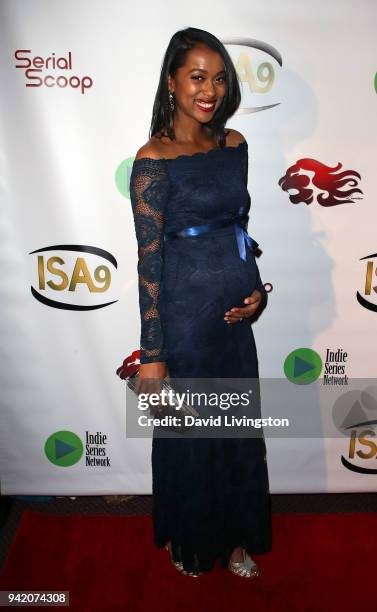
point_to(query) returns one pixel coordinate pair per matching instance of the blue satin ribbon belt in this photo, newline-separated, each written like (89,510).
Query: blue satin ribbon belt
(239,222)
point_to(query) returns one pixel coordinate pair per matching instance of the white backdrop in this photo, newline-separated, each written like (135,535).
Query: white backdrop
(69,132)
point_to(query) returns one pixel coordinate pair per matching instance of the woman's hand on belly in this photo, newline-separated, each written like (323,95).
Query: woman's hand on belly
(253,301)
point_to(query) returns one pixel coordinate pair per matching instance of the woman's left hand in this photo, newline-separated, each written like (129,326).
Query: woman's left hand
(234,315)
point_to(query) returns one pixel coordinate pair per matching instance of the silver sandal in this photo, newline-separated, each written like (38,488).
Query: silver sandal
(193,574)
(246,568)
(177,564)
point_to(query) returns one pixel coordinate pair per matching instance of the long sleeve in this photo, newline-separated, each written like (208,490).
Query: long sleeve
(149,188)
(245,172)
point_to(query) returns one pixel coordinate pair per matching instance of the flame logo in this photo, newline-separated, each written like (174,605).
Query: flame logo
(328,181)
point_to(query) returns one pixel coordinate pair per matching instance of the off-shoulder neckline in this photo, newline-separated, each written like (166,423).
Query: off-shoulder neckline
(198,154)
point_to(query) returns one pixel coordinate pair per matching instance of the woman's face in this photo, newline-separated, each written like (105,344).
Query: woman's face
(199,86)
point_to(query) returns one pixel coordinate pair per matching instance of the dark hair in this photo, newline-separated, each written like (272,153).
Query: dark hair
(175,57)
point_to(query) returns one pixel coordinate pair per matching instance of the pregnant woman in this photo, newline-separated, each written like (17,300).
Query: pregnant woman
(198,286)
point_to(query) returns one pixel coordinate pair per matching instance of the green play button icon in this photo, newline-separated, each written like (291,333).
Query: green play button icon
(64,448)
(303,366)
(122,176)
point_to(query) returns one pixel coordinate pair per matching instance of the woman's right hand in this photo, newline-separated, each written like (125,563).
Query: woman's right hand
(150,377)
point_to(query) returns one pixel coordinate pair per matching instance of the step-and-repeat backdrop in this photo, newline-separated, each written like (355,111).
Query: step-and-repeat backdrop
(77,86)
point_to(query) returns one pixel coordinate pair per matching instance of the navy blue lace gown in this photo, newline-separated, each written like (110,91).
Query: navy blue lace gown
(209,495)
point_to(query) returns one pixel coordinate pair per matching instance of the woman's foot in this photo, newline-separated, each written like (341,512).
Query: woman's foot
(193,574)
(237,555)
(241,564)
(177,564)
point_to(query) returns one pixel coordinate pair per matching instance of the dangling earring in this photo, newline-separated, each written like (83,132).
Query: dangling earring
(171,100)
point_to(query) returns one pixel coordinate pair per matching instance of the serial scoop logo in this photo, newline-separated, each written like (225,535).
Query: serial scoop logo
(72,282)
(370,290)
(355,416)
(51,71)
(308,180)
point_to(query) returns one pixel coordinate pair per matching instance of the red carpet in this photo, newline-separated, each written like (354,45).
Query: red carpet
(320,562)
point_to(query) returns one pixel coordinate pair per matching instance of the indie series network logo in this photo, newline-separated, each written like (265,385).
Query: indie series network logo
(303,366)
(64,448)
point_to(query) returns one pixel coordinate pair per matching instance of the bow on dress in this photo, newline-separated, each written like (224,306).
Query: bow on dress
(239,222)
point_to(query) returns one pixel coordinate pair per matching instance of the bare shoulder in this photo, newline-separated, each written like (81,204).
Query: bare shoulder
(154,149)
(234,138)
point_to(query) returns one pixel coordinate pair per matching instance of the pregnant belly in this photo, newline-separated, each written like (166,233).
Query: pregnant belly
(202,273)
(201,282)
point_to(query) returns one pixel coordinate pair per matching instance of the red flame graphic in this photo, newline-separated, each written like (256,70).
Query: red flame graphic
(325,179)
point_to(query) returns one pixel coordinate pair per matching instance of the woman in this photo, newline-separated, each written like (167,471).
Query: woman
(197,290)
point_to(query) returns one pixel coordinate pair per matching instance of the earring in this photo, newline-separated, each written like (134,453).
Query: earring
(171,100)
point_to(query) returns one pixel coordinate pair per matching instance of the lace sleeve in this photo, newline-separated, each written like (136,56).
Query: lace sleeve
(149,186)
(245,172)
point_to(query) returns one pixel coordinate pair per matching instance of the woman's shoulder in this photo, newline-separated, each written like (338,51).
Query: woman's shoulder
(149,163)
(234,138)
(157,149)
(150,150)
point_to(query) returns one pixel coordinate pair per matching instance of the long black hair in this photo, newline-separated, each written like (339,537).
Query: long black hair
(175,57)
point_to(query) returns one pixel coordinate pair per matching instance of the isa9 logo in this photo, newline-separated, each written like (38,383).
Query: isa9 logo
(73,277)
